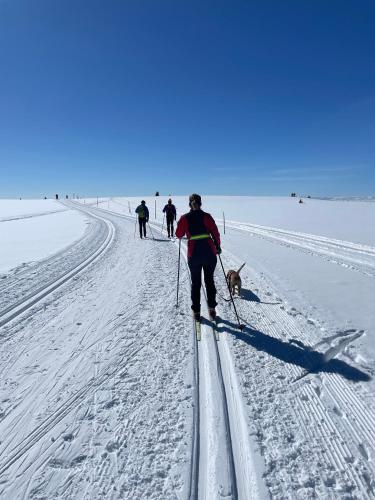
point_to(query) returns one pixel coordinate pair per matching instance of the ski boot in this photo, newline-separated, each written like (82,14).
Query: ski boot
(197,316)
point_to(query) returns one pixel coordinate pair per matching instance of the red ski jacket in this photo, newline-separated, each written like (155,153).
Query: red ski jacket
(200,228)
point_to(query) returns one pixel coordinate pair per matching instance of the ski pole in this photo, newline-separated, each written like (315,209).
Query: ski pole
(178,269)
(150,230)
(162,227)
(135,226)
(240,326)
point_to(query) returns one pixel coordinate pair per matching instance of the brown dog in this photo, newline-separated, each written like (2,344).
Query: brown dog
(234,280)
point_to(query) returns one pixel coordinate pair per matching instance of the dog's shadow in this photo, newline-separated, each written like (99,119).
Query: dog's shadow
(297,354)
(249,295)
(252,297)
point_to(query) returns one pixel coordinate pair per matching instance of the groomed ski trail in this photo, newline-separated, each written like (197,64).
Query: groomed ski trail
(354,256)
(317,431)
(229,464)
(97,395)
(38,292)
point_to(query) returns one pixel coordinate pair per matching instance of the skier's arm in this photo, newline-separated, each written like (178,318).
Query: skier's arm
(181,227)
(212,227)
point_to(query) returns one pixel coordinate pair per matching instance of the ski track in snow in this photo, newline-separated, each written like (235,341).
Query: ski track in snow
(26,279)
(354,256)
(100,389)
(97,393)
(308,415)
(316,434)
(30,216)
(214,471)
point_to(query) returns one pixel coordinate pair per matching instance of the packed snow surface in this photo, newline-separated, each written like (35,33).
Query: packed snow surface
(17,209)
(107,393)
(31,230)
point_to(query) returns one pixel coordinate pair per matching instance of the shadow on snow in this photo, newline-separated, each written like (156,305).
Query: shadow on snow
(295,353)
(252,297)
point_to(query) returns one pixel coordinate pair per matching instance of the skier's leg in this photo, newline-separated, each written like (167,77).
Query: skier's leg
(144,227)
(140,227)
(169,227)
(196,282)
(209,270)
(172,229)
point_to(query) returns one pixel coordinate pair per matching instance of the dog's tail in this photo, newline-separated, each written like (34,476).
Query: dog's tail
(241,268)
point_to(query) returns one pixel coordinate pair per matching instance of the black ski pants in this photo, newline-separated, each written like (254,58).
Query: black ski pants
(142,225)
(208,267)
(170,225)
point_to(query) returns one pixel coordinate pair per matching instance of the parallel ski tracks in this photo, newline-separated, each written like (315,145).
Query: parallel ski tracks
(19,307)
(30,216)
(200,472)
(359,257)
(355,429)
(308,412)
(223,422)
(68,405)
(16,452)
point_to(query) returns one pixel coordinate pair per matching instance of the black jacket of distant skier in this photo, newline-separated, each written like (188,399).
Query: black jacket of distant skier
(170,211)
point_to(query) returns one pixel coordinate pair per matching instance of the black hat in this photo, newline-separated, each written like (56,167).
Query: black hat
(195,199)
(143,202)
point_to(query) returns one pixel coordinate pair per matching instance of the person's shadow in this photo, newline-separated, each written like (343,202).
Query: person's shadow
(157,239)
(295,353)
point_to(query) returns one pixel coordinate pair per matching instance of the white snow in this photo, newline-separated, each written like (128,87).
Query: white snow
(32,230)
(99,396)
(12,209)
(347,220)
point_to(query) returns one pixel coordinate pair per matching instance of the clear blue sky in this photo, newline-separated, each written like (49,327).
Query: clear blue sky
(122,97)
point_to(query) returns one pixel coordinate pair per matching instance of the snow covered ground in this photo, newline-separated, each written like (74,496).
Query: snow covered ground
(107,394)
(31,230)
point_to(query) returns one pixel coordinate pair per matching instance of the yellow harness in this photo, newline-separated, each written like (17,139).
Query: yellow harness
(199,237)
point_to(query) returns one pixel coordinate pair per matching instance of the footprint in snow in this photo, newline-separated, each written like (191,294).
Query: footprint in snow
(337,411)
(68,437)
(363,451)
(112,446)
(78,460)
(111,404)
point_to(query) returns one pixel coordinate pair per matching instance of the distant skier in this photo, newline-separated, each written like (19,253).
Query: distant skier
(203,246)
(143,215)
(171,215)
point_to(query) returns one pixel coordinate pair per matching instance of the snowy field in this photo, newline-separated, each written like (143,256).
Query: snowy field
(31,230)
(107,393)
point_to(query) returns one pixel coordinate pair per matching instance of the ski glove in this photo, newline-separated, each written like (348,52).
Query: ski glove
(218,249)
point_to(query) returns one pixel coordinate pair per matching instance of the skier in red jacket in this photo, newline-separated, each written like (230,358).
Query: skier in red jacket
(203,246)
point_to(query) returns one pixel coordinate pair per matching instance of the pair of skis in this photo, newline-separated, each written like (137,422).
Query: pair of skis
(198,328)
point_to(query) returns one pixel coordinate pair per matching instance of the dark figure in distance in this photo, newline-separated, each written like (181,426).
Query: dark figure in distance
(203,246)
(143,216)
(170,212)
